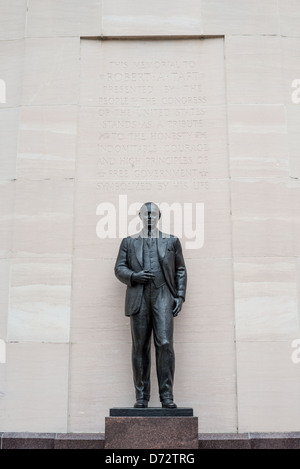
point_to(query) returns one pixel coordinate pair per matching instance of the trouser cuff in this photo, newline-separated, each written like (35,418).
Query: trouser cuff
(166,396)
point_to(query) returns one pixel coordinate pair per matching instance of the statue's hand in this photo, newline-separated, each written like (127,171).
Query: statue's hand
(142,277)
(178,306)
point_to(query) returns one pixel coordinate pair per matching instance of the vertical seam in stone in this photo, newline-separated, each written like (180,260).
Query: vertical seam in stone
(73,240)
(278,18)
(231,228)
(26,18)
(101,17)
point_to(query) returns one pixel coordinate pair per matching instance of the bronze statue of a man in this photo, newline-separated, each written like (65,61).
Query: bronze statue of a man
(152,266)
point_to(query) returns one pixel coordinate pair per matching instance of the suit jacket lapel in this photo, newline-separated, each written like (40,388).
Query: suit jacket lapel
(162,244)
(139,250)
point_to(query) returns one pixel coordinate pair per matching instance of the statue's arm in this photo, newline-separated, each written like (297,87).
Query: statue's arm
(122,271)
(180,271)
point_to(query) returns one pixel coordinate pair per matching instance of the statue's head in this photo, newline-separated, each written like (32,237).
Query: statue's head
(150,215)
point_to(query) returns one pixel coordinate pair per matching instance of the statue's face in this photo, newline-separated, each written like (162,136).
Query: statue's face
(150,216)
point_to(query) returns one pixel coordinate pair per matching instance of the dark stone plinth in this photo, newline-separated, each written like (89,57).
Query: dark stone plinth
(151,433)
(28,441)
(275,440)
(151,412)
(224,441)
(289,440)
(79,441)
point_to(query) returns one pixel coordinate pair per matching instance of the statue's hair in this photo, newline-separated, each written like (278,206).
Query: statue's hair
(150,205)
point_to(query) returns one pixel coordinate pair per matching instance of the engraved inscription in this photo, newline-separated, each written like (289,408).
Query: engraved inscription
(152,117)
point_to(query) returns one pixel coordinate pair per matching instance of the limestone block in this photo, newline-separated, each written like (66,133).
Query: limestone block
(207,314)
(4,295)
(291,87)
(9,120)
(12,19)
(289,16)
(51,71)
(235,17)
(136,17)
(34,393)
(98,303)
(2,386)
(254,72)
(40,296)
(47,142)
(7,195)
(268,383)
(293,122)
(298,271)
(11,72)
(266,306)
(257,141)
(43,218)
(64,18)
(265,217)
(291,69)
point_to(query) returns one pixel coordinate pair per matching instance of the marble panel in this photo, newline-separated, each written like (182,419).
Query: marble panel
(254,71)
(293,123)
(4,295)
(266,304)
(64,18)
(268,383)
(40,297)
(47,142)
(235,17)
(12,19)
(290,62)
(51,71)
(289,15)
(136,18)
(258,141)
(34,394)
(11,72)
(9,120)
(7,197)
(265,217)
(43,222)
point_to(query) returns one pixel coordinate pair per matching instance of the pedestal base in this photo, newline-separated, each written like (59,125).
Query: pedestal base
(150,412)
(149,431)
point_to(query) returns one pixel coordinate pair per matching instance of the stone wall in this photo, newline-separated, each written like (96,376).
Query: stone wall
(187,102)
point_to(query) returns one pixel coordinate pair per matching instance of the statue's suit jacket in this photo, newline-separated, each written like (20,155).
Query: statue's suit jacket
(130,260)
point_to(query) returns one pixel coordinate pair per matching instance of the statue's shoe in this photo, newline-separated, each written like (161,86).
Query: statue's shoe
(141,404)
(168,404)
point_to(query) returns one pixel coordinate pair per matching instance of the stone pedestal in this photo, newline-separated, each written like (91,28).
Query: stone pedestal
(152,428)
